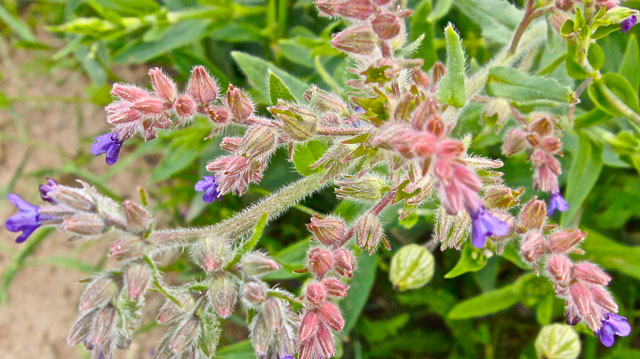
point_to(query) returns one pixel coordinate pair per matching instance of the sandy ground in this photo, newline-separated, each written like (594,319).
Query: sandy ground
(43,297)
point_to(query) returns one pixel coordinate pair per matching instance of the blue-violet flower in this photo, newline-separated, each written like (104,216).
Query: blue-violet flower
(209,186)
(27,220)
(484,225)
(628,23)
(557,202)
(108,143)
(46,189)
(612,325)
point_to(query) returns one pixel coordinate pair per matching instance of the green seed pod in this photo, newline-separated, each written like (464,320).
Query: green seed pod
(411,267)
(557,341)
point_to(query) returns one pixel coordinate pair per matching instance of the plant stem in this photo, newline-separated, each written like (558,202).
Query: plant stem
(340,131)
(530,14)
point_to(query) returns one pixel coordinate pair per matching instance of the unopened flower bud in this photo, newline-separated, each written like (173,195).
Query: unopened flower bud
(534,214)
(320,261)
(559,268)
(542,126)
(185,335)
(533,246)
(355,9)
(128,92)
(98,292)
(185,106)
(126,246)
(211,252)
(590,273)
(223,293)
(327,230)
(273,314)
(356,40)
(298,122)
(258,140)
(551,144)
(171,311)
(138,277)
(73,197)
(603,298)
(438,72)
(231,144)
(202,87)
(557,341)
(420,78)
(411,267)
(344,262)
(325,342)
(564,241)
(138,218)
(148,106)
(260,335)
(335,287)
(163,85)
(219,114)
(368,232)
(502,197)
(256,263)
(581,296)
(316,293)
(239,104)
(308,327)
(103,325)
(515,142)
(386,26)
(82,328)
(323,101)
(331,315)
(368,188)
(423,113)
(84,224)
(254,293)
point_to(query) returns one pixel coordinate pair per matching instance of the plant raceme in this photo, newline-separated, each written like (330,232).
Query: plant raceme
(397,117)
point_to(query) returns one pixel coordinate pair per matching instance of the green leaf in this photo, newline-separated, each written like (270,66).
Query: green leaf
(380,330)
(497,18)
(629,67)
(361,285)
(306,154)
(239,350)
(584,172)
(515,85)
(278,90)
(611,254)
(471,259)
(612,91)
(185,147)
(440,10)
(256,70)
(544,309)
(486,303)
(421,27)
(130,8)
(596,56)
(452,89)
(16,25)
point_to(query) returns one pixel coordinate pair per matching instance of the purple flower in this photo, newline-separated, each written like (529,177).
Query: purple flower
(27,219)
(108,143)
(46,189)
(628,23)
(613,324)
(484,225)
(209,186)
(557,202)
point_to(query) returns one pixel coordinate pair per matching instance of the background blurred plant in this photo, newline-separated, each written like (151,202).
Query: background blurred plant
(601,160)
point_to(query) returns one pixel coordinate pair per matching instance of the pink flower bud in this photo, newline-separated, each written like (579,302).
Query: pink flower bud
(515,142)
(564,241)
(254,293)
(171,311)
(421,79)
(138,277)
(308,327)
(211,252)
(138,218)
(344,262)
(423,113)
(128,92)
(223,293)
(239,104)
(260,335)
(103,325)
(326,7)
(98,292)
(559,268)
(202,87)
(163,85)
(84,224)
(438,72)
(185,335)
(219,114)
(122,114)
(185,106)
(126,246)
(356,40)
(75,198)
(355,9)
(231,144)
(256,263)
(386,26)
(81,329)
(331,316)
(533,247)
(148,106)
(327,230)
(325,341)
(335,287)
(273,314)
(368,232)
(603,299)
(320,261)
(551,145)
(316,293)
(258,141)
(590,273)
(581,296)
(542,126)
(533,214)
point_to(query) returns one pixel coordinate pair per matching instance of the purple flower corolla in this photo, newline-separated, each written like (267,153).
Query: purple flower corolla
(209,186)
(628,23)
(46,189)
(108,143)
(484,224)
(612,325)
(27,220)
(557,202)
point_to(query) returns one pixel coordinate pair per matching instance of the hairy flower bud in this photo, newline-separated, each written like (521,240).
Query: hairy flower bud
(259,140)
(223,293)
(297,121)
(386,26)
(542,126)
(368,232)
(254,293)
(533,246)
(534,214)
(219,114)
(256,263)
(84,224)
(559,268)
(98,292)
(355,9)
(185,335)
(231,144)
(590,273)
(211,253)
(331,315)
(273,314)
(344,262)
(103,325)
(602,298)
(74,198)
(260,335)
(356,40)
(138,277)
(316,293)
(171,311)
(239,104)
(126,246)
(367,188)
(148,106)
(138,218)
(327,230)
(320,261)
(411,267)
(163,85)
(502,197)
(564,241)
(82,328)
(128,93)
(308,327)
(515,142)
(185,106)
(335,287)
(323,101)
(202,86)
(325,341)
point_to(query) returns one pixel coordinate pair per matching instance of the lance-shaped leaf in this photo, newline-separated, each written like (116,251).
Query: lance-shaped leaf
(497,18)
(515,85)
(452,90)
(278,90)
(486,303)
